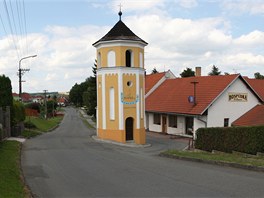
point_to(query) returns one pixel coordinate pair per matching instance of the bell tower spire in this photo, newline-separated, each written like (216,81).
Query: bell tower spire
(120,12)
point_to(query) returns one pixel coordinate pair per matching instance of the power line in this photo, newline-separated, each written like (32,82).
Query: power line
(25,24)
(11,29)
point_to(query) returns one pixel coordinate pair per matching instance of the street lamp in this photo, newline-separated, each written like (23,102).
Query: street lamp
(20,73)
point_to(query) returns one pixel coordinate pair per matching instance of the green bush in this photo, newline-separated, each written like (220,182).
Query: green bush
(30,125)
(241,139)
(19,112)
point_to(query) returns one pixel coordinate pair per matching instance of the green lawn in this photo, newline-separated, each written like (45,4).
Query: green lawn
(43,124)
(221,157)
(11,184)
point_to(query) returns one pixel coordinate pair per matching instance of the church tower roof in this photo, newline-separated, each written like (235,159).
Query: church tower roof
(120,32)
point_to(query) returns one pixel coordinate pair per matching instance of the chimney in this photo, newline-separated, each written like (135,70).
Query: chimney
(198,71)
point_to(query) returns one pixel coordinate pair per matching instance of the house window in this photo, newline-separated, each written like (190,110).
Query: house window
(226,122)
(156,118)
(173,121)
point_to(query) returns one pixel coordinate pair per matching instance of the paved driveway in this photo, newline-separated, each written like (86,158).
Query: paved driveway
(69,163)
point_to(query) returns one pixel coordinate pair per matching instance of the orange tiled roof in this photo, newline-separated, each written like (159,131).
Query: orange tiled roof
(257,85)
(172,95)
(253,117)
(152,79)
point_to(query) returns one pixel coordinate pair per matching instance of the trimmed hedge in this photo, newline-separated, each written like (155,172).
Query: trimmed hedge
(242,139)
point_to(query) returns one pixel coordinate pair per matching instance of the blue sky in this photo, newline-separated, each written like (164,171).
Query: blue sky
(180,33)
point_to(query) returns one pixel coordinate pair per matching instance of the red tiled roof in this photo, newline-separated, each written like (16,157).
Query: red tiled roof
(253,117)
(172,95)
(257,85)
(152,79)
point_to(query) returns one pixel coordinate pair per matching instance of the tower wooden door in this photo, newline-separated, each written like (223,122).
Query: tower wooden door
(129,128)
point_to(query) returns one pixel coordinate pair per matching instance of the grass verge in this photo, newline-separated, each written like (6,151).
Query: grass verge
(86,123)
(29,133)
(11,184)
(43,124)
(218,157)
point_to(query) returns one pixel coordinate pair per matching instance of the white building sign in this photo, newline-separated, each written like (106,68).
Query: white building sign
(237,97)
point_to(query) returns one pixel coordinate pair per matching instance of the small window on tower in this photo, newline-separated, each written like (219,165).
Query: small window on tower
(129,83)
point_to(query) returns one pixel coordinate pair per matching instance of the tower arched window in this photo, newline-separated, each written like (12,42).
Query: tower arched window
(111,59)
(129,58)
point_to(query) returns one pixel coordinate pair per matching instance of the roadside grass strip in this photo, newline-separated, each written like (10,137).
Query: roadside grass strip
(246,161)
(43,124)
(29,133)
(87,124)
(11,184)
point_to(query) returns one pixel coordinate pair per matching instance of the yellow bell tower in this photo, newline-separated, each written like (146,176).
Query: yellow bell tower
(121,85)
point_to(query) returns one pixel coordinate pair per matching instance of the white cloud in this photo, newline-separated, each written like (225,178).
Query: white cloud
(66,55)
(244,6)
(252,39)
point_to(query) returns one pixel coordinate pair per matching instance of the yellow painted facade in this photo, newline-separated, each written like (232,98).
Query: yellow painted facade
(121,90)
(120,52)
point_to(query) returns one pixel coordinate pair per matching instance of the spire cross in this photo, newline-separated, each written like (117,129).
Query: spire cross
(120,6)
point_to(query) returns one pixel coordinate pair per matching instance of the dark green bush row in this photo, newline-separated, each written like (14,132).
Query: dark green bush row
(241,139)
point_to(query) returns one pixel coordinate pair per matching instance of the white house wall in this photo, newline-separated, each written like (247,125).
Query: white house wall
(222,108)
(153,127)
(180,126)
(170,130)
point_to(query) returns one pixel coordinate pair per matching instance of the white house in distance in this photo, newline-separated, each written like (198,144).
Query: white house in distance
(180,106)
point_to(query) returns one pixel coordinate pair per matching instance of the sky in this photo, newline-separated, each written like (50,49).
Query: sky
(180,33)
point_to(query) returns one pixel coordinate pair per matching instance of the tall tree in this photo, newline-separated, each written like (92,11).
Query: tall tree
(215,71)
(188,72)
(90,95)
(258,76)
(154,71)
(6,97)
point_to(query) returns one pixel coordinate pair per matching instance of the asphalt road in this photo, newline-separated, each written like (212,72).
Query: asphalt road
(69,163)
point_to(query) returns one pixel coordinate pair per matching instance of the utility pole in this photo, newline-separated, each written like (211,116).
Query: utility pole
(21,72)
(45,102)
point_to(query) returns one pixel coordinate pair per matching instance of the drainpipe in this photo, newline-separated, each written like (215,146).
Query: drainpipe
(205,122)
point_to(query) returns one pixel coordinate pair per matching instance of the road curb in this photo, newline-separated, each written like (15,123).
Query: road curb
(227,164)
(133,145)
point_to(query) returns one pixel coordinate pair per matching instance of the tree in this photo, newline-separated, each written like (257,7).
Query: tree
(258,76)
(215,71)
(154,71)
(76,93)
(188,72)
(90,95)
(6,97)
